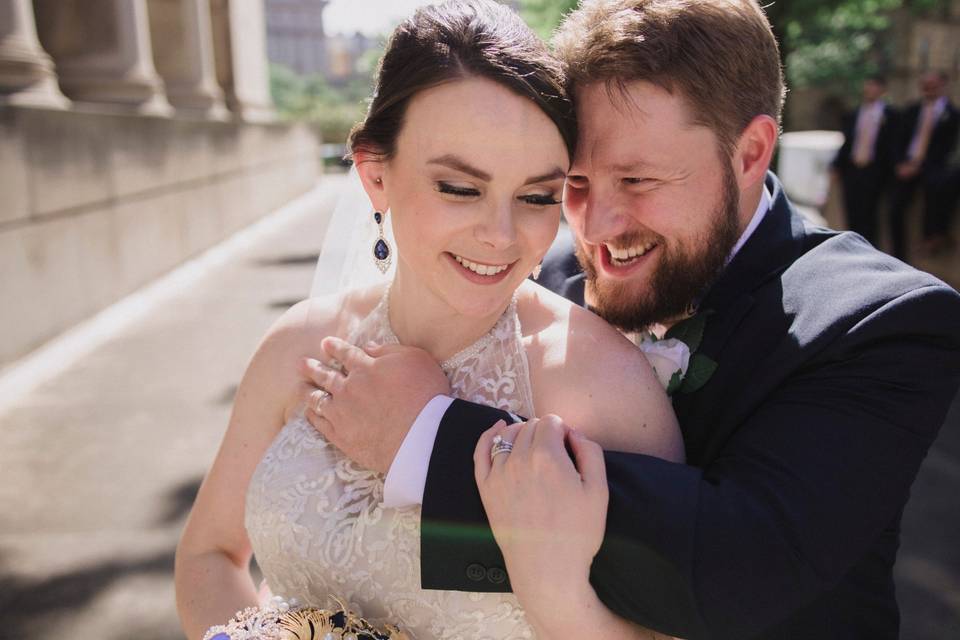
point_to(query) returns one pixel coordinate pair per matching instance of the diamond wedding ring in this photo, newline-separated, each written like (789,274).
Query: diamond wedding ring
(500,446)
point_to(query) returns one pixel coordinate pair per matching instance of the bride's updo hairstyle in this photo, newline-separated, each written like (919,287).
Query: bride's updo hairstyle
(455,40)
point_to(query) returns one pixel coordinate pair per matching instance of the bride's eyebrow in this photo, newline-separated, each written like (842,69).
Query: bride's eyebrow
(451,161)
(556,174)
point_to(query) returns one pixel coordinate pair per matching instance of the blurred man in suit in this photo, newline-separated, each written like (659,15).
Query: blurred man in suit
(865,161)
(929,137)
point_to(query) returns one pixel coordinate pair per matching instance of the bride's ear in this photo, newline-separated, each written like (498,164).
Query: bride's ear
(371,169)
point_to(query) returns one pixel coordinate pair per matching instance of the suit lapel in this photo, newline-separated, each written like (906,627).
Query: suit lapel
(774,245)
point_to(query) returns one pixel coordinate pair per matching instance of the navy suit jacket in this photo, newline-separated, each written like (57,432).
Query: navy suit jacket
(885,144)
(943,139)
(837,365)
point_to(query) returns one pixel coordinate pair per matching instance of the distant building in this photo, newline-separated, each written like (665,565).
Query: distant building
(295,35)
(296,39)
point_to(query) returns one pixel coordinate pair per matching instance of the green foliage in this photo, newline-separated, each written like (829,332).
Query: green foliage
(543,16)
(833,43)
(333,110)
(836,44)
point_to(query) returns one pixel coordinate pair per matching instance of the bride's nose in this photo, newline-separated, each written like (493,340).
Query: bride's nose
(497,229)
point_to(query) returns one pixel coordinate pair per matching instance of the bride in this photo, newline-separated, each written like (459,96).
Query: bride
(463,152)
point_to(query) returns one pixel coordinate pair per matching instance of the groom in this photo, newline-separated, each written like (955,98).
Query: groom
(836,363)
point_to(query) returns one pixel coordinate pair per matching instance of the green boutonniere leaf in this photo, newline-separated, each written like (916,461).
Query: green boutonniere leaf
(698,373)
(676,381)
(689,331)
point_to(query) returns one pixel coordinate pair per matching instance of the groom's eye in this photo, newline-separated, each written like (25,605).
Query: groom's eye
(460,192)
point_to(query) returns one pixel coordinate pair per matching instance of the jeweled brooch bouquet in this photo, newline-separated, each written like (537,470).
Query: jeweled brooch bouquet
(280,620)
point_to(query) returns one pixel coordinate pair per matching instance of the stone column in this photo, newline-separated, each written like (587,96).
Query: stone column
(103,52)
(242,36)
(183,52)
(27,77)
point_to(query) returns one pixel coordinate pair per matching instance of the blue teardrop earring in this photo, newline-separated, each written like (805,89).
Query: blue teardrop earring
(381,249)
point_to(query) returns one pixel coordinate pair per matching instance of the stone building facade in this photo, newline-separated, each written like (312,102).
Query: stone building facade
(296,37)
(133,135)
(928,43)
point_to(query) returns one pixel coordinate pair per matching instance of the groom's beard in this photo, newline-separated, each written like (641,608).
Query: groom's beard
(680,277)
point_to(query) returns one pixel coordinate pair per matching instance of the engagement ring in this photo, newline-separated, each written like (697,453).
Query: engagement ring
(500,446)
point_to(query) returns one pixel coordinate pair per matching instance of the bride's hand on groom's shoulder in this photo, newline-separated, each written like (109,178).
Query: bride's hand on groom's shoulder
(546,501)
(366,403)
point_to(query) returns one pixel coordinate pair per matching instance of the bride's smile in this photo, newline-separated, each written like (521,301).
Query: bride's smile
(473,191)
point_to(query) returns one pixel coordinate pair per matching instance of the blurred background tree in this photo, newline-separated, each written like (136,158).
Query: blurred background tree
(832,44)
(332,110)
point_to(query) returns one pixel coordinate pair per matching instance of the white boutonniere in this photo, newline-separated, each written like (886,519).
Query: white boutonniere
(674,357)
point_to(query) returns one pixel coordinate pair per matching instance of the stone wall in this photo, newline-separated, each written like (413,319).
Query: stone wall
(133,135)
(95,205)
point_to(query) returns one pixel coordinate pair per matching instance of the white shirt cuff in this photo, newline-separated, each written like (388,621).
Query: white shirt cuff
(407,476)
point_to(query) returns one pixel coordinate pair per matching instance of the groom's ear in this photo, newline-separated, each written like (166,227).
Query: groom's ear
(371,167)
(754,151)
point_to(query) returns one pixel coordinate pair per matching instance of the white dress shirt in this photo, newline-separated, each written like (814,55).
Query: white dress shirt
(869,119)
(918,146)
(407,477)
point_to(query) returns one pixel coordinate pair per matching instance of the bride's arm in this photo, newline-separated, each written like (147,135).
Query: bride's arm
(212,562)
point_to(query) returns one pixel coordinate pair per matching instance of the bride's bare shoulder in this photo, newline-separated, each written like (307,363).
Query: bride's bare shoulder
(587,372)
(309,321)
(554,326)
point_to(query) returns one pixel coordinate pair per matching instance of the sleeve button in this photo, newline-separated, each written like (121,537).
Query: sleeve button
(496,575)
(476,572)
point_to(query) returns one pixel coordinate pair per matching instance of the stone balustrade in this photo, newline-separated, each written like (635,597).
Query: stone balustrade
(152,57)
(134,134)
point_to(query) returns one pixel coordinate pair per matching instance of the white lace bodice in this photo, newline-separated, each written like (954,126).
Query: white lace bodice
(319,529)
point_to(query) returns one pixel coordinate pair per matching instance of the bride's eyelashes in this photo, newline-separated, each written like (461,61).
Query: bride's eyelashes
(460,192)
(536,199)
(539,200)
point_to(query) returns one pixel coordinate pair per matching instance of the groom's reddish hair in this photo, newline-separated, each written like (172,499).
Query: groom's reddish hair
(720,55)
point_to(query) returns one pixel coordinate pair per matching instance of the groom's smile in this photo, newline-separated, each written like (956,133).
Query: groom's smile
(652,201)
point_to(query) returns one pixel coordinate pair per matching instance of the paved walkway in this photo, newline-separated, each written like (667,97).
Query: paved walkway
(99,464)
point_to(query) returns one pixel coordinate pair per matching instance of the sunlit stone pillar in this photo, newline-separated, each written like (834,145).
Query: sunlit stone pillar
(26,71)
(183,53)
(240,38)
(103,52)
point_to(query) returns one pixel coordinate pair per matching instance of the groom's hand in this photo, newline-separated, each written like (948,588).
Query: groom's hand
(375,394)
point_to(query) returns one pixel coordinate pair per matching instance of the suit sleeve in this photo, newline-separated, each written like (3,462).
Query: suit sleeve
(792,501)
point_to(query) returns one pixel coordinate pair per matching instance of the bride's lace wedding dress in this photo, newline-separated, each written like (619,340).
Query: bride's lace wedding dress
(319,529)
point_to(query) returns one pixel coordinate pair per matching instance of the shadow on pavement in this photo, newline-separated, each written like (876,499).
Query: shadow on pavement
(292,260)
(282,305)
(179,502)
(226,398)
(29,605)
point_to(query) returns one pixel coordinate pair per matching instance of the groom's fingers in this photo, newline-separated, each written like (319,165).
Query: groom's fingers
(323,376)
(350,356)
